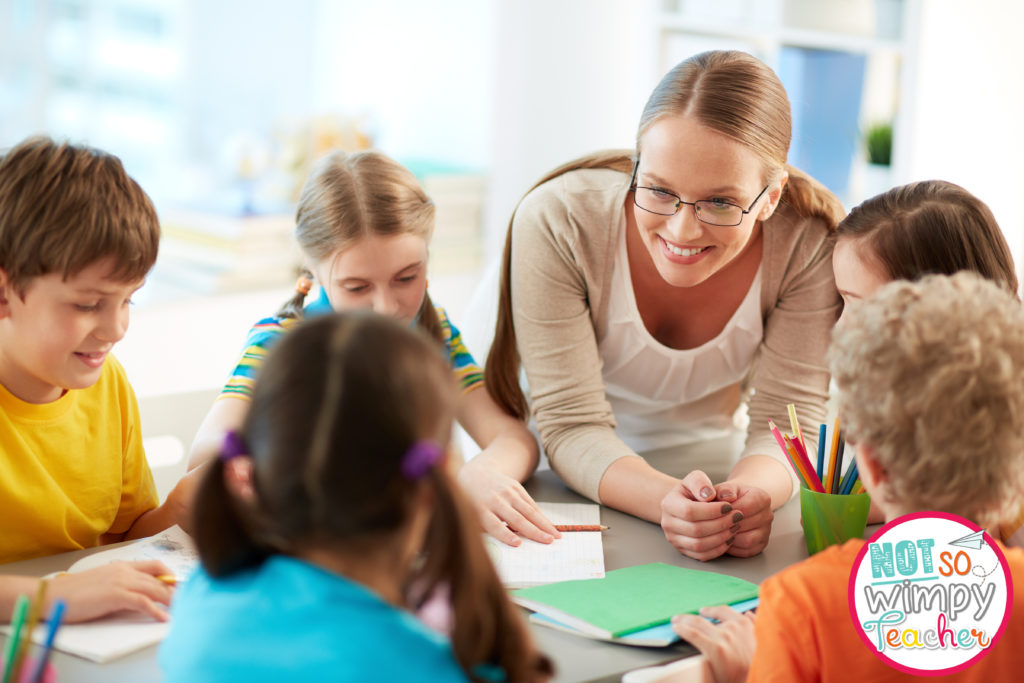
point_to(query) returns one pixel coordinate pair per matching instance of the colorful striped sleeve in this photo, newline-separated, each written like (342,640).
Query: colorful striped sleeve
(468,373)
(262,337)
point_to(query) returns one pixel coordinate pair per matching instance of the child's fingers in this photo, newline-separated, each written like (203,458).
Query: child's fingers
(533,514)
(721,613)
(151,567)
(137,602)
(498,529)
(693,629)
(520,524)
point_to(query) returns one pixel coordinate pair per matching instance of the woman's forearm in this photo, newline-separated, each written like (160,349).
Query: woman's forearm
(633,486)
(765,473)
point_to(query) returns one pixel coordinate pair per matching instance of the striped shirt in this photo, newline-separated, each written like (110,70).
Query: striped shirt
(266,332)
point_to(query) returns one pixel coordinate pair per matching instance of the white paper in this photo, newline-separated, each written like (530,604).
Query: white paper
(577,555)
(122,633)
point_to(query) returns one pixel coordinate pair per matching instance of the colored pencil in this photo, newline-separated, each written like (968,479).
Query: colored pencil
(34,612)
(170,579)
(821,451)
(846,485)
(580,527)
(56,615)
(794,459)
(805,462)
(17,625)
(785,449)
(795,424)
(832,455)
(839,462)
(858,486)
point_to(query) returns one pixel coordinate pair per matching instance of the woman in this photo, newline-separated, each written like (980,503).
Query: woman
(645,294)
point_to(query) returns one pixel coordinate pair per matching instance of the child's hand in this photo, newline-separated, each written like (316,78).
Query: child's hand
(696,522)
(506,510)
(118,586)
(728,645)
(756,507)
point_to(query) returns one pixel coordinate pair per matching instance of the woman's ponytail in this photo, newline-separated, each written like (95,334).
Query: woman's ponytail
(811,199)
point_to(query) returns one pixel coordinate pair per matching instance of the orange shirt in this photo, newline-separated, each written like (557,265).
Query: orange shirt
(805,631)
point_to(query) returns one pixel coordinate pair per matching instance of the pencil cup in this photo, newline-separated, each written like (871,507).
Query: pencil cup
(831,519)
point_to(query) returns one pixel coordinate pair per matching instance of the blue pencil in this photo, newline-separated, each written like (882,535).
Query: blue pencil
(56,615)
(851,476)
(821,452)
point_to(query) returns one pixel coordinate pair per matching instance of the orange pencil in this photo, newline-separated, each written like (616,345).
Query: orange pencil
(580,527)
(832,455)
(813,482)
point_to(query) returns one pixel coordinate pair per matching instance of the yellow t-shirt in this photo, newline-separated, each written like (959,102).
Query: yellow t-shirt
(72,469)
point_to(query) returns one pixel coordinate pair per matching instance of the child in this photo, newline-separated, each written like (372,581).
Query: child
(363,224)
(911,364)
(77,237)
(910,231)
(312,521)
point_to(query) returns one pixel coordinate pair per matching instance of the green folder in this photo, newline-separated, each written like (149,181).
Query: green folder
(634,598)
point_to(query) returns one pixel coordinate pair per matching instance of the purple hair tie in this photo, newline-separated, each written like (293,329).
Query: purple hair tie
(420,457)
(233,446)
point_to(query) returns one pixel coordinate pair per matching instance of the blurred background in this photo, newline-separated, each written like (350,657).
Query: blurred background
(217,107)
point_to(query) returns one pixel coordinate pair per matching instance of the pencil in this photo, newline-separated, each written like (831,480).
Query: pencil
(17,624)
(821,451)
(56,615)
(795,424)
(35,609)
(812,479)
(786,445)
(170,579)
(846,485)
(580,527)
(832,456)
(839,462)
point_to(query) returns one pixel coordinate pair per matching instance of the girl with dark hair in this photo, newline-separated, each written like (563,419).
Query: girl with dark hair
(330,516)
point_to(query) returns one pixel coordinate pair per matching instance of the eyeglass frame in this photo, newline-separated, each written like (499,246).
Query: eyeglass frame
(633,187)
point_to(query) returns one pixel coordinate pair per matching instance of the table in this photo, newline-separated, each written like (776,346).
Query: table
(628,541)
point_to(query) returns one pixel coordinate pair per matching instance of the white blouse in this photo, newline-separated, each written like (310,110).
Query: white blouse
(663,397)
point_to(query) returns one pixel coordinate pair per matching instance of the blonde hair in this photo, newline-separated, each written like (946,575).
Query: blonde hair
(739,96)
(930,375)
(64,207)
(729,92)
(350,196)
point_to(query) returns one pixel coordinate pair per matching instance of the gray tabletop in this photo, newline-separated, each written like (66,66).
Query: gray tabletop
(628,541)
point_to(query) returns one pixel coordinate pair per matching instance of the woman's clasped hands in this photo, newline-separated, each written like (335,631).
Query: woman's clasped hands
(703,521)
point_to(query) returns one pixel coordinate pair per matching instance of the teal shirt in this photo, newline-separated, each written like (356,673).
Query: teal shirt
(288,620)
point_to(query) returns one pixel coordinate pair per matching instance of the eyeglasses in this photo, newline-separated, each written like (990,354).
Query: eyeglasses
(710,211)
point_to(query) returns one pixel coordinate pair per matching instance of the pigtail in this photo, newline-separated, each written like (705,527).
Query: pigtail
(502,367)
(428,320)
(222,535)
(294,307)
(488,635)
(811,199)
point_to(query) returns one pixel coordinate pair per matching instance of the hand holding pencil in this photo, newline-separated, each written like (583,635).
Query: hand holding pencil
(133,586)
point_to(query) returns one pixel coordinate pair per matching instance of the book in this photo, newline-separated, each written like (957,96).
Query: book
(576,555)
(655,636)
(634,598)
(120,634)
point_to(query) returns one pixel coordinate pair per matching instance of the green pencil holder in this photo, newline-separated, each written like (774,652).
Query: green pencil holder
(831,519)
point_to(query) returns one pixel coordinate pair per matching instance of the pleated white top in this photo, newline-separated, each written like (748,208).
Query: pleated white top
(663,397)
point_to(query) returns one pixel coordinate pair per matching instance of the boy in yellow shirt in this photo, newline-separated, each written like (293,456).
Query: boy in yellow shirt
(77,237)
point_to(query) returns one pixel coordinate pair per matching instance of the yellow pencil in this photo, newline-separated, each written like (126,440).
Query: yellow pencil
(795,424)
(169,579)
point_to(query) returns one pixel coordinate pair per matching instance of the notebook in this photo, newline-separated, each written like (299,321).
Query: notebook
(633,599)
(576,555)
(121,634)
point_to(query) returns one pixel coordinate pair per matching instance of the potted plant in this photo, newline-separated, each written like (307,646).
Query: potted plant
(878,143)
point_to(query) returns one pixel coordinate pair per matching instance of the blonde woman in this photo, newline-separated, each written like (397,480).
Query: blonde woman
(645,292)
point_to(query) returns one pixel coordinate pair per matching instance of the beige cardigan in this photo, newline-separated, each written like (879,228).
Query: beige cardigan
(564,238)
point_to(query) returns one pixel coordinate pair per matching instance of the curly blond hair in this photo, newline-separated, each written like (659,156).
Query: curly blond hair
(930,374)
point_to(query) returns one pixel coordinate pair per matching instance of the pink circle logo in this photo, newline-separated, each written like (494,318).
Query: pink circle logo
(930,593)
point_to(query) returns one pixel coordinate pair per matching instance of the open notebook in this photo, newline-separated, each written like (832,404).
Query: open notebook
(120,634)
(577,555)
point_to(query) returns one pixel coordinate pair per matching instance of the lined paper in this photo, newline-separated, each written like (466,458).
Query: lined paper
(576,555)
